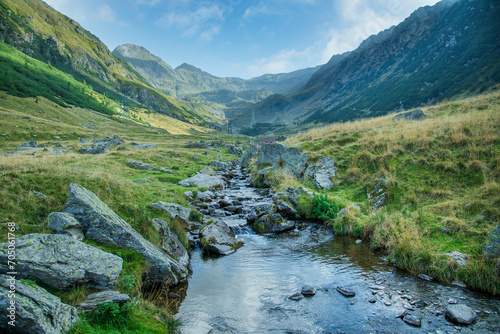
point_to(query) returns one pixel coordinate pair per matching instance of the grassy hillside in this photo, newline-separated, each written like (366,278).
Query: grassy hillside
(443,185)
(107,175)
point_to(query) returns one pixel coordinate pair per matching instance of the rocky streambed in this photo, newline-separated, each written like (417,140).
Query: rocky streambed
(285,276)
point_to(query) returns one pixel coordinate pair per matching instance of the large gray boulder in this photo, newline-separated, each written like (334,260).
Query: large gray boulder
(460,314)
(61,262)
(95,299)
(321,173)
(414,115)
(217,238)
(280,157)
(108,141)
(234,149)
(65,223)
(36,310)
(220,165)
(171,243)
(173,210)
(203,180)
(94,149)
(491,249)
(100,223)
(28,146)
(249,156)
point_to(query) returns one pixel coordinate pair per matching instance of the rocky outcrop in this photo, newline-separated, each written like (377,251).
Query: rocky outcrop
(414,115)
(173,210)
(286,209)
(171,243)
(61,262)
(205,181)
(28,146)
(491,248)
(94,149)
(217,238)
(95,299)
(36,310)
(273,223)
(280,157)
(100,223)
(321,173)
(200,144)
(108,141)
(377,194)
(249,156)
(460,314)
(235,150)
(141,165)
(65,223)
(292,194)
(207,171)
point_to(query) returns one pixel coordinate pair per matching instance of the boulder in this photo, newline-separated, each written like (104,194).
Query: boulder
(65,223)
(100,223)
(141,165)
(217,238)
(108,141)
(460,314)
(36,310)
(200,144)
(259,210)
(207,171)
(203,180)
(345,292)
(491,249)
(205,196)
(273,223)
(286,209)
(28,146)
(321,173)
(281,157)
(348,209)
(414,115)
(249,156)
(171,243)
(95,299)
(173,210)
(412,320)
(308,290)
(84,141)
(235,150)
(220,165)
(292,194)
(61,262)
(143,146)
(94,149)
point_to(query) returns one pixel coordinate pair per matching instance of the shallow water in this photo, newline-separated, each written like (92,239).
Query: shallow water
(247,292)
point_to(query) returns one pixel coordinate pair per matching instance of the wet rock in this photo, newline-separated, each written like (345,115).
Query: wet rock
(426,277)
(321,173)
(205,196)
(296,296)
(460,314)
(412,321)
(372,300)
(346,293)
(418,303)
(95,299)
(452,301)
(103,225)
(217,238)
(460,258)
(171,243)
(308,290)
(414,115)
(36,310)
(65,223)
(273,223)
(141,165)
(491,248)
(61,262)
(206,181)
(173,210)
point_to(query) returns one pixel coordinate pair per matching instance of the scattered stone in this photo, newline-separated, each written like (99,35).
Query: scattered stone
(347,209)
(95,299)
(65,223)
(189,196)
(460,314)
(195,157)
(39,194)
(100,223)
(143,146)
(217,238)
(220,165)
(452,301)
(459,284)
(460,258)
(414,115)
(121,148)
(36,310)
(358,241)
(418,303)
(402,314)
(84,141)
(377,287)
(141,165)
(250,155)
(28,146)
(108,141)
(308,290)
(321,173)
(94,149)
(372,300)
(426,277)
(346,293)
(200,144)
(62,262)
(412,321)
(296,296)
(387,303)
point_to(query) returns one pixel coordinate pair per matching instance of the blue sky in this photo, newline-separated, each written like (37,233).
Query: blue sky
(236,37)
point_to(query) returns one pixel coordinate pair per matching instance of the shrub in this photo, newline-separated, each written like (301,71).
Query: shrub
(110,315)
(323,208)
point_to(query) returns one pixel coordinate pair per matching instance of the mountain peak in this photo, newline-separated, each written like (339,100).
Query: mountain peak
(188,67)
(134,51)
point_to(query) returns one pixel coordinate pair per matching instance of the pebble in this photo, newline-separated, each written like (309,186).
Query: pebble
(372,300)
(344,292)
(412,321)
(308,290)
(296,296)
(387,303)
(426,277)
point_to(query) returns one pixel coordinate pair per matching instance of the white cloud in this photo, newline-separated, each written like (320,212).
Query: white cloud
(284,61)
(259,9)
(106,14)
(204,22)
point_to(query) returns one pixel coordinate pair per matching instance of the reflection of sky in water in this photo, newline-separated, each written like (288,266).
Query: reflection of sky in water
(247,292)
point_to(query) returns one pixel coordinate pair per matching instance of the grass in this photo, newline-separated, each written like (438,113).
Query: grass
(443,185)
(109,177)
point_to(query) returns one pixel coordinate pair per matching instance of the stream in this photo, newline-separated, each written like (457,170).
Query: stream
(248,291)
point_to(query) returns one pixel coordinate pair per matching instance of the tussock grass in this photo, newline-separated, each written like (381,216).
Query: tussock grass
(443,184)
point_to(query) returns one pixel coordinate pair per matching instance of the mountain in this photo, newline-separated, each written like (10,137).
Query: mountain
(439,52)
(40,32)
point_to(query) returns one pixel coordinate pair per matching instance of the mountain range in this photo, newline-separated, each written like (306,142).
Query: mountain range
(439,52)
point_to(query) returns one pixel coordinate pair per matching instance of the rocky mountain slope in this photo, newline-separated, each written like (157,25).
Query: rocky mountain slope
(34,28)
(438,52)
